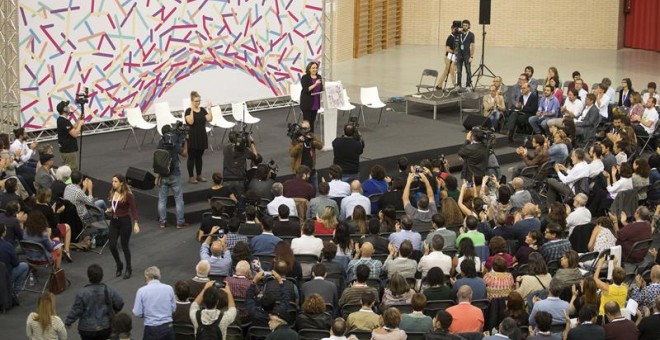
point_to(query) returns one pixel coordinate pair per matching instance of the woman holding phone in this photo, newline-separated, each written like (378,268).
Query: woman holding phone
(310,97)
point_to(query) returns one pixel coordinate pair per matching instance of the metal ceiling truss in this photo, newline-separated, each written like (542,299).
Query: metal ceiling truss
(9,97)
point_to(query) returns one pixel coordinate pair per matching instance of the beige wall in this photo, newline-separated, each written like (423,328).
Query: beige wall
(590,24)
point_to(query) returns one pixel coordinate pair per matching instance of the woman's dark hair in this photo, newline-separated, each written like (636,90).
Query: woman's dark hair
(122,324)
(398,285)
(643,168)
(628,83)
(359,217)
(388,224)
(435,277)
(557,214)
(572,258)
(4,138)
(314,304)
(536,264)
(309,66)
(499,264)
(503,194)
(217,178)
(466,248)
(342,236)
(478,205)
(391,318)
(604,222)
(36,223)
(515,306)
(537,237)
(378,172)
(468,268)
(497,245)
(451,183)
(284,253)
(241,252)
(625,170)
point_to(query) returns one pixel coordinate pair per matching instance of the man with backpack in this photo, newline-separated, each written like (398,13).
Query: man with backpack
(211,322)
(168,175)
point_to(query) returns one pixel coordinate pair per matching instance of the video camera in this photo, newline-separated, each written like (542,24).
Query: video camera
(295,131)
(355,121)
(274,168)
(240,139)
(485,136)
(82,98)
(178,132)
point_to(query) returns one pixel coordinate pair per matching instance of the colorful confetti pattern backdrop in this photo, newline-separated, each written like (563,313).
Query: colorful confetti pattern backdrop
(134,52)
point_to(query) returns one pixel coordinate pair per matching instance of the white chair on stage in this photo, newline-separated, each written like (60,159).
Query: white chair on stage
(220,121)
(164,116)
(347,104)
(294,93)
(369,98)
(241,114)
(136,121)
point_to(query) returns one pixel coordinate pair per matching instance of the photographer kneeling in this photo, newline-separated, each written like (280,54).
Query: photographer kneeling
(303,150)
(234,156)
(474,154)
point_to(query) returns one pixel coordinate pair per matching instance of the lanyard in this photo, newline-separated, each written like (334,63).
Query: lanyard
(115,202)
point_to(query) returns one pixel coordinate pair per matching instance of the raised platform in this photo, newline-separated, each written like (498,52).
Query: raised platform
(413,135)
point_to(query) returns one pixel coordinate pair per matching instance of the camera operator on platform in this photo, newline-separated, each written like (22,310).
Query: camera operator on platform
(235,154)
(347,150)
(303,152)
(67,134)
(174,141)
(474,154)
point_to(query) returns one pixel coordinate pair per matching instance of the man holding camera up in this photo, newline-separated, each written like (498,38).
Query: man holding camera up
(303,152)
(241,147)
(347,150)
(67,134)
(474,154)
(174,142)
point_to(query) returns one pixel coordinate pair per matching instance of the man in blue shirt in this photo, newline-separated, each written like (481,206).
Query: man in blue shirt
(155,303)
(548,109)
(18,270)
(264,244)
(557,307)
(406,233)
(175,143)
(217,254)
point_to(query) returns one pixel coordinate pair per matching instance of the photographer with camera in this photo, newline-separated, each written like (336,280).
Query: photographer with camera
(474,154)
(67,134)
(303,151)
(235,154)
(174,143)
(347,150)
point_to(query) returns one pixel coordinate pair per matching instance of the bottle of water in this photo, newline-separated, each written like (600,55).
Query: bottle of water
(93,241)
(31,280)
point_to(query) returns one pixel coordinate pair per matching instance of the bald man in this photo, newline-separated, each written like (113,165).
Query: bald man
(466,317)
(363,256)
(197,283)
(644,294)
(240,282)
(520,196)
(353,200)
(217,254)
(618,328)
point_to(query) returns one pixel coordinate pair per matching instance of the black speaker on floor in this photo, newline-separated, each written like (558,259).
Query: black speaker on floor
(140,179)
(475,120)
(484,12)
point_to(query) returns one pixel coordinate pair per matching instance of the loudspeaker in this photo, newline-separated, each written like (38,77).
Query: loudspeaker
(484,12)
(475,120)
(140,179)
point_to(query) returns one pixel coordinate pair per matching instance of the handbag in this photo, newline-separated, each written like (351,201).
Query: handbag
(57,282)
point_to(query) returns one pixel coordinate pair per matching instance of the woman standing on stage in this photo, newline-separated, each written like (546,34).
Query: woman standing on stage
(123,208)
(310,98)
(196,118)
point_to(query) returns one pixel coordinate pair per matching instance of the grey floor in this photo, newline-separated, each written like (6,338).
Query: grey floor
(395,72)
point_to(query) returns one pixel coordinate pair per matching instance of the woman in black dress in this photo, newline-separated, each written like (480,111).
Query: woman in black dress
(310,99)
(196,118)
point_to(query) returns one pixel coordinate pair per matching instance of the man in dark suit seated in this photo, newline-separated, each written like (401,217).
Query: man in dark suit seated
(526,107)
(394,196)
(589,119)
(380,243)
(587,327)
(283,226)
(318,285)
(251,226)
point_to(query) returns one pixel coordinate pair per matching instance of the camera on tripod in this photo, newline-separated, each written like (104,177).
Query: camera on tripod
(485,136)
(355,122)
(178,131)
(274,168)
(82,98)
(241,139)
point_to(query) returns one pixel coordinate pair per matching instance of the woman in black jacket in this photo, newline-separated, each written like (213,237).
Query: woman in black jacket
(310,97)
(313,315)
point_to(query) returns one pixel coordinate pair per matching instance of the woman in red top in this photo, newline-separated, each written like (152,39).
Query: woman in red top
(326,223)
(122,208)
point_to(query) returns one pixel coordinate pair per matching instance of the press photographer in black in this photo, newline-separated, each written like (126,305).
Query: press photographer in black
(474,154)
(347,150)
(240,148)
(303,150)
(67,134)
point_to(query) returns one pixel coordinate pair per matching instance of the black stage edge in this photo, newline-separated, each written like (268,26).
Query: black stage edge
(415,135)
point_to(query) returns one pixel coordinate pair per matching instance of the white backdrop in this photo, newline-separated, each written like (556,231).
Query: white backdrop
(138,52)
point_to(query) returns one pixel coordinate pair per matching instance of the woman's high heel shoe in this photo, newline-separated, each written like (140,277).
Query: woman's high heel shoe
(120,268)
(127,273)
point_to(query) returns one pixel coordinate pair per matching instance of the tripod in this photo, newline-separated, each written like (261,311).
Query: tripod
(480,71)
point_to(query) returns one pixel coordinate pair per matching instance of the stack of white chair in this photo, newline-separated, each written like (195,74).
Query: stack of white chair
(136,121)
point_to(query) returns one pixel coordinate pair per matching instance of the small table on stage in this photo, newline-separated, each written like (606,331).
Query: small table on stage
(434,99)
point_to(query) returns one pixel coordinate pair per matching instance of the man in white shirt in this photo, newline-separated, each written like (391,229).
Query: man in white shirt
(572,108)
(24,151)
(279,199)
(356,198)
(566,183)
(307,243)
(646,126)
(596,167)
(602,100)
(338,188)
(436,258)
(581,215)
(582,93)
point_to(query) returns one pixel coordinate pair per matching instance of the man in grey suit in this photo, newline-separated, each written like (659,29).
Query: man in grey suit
(589,118)
(318,203)
(318,285)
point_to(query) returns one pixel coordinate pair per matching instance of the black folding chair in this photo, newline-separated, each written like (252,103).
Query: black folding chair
(35,248)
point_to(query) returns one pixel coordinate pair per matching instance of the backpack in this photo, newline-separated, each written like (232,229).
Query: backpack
(208,332)
(162,162)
